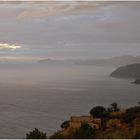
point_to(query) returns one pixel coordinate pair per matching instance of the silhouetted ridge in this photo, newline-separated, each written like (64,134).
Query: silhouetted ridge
(137,81)
(128,71)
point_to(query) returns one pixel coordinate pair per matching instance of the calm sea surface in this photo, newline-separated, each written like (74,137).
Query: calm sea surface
(44,97)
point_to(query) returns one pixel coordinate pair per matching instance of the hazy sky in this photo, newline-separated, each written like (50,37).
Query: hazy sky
(32,30)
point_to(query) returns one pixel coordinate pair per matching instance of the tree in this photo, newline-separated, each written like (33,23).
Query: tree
(98,111)
(36,134)
(65,124)
(114,107)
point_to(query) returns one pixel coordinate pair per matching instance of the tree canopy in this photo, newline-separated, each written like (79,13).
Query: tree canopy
(98,111)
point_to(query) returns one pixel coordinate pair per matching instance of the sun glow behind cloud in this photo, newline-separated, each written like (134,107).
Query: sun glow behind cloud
(80,29)
(8,46)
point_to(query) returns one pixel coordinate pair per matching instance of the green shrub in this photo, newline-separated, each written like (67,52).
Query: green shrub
(36,134)
(65,124)
(99,112)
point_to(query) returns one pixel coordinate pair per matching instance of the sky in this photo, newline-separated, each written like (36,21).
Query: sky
(68,30)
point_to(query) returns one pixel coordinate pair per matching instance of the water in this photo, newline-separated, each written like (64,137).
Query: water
(44,97)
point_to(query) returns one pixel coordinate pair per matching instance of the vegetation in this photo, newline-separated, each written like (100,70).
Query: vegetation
(98,112)
(114,107)
(65,124)
(58,135)
(36,134)
(84,132)
(116,124)
(131,114)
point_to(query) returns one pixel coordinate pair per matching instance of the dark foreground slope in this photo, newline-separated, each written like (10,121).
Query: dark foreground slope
(116,123)
(128,71)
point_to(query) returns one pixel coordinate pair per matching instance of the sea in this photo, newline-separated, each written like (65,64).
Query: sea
(44,96)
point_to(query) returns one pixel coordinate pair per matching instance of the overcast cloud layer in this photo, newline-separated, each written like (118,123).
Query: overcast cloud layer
(69,29)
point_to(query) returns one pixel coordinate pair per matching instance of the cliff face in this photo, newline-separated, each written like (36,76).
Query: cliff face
(128,71)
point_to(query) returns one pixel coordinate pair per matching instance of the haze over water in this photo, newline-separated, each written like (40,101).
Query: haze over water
(43,95)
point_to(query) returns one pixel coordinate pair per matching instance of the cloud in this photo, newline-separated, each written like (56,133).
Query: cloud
(7,46)
(40,9)
(58,8)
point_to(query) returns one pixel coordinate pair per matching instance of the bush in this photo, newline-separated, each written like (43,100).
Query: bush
(131,114)
(114,107)
(84,132)
(57,135)
(65,124)
(36,134)
(99,112)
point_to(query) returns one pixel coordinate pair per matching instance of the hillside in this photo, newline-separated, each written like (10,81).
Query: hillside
(115,123)
(55,62)
(137,81)
(114,61)
(128,71)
